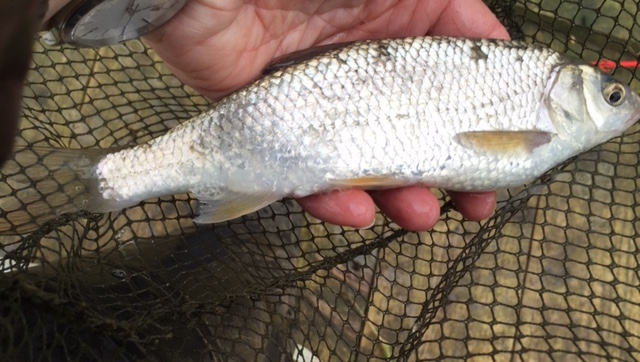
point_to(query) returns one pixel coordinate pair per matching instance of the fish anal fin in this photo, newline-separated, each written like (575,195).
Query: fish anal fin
(503,141)
(368,182)
(229,205)
(301,56)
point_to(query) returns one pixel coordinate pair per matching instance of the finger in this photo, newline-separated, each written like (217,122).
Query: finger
(348,208)
(471,19)
(414,208)
(53,7)
(474,206)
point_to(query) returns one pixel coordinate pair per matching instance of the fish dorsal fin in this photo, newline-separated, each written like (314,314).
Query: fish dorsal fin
(300,56)
(503,141)
(368,182)
(229,205)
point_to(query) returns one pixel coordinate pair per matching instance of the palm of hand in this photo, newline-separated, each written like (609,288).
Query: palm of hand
(218,46)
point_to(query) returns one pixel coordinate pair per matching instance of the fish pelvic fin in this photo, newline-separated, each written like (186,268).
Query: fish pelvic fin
(41,183)
(503,141)
(368,182)
(226,205)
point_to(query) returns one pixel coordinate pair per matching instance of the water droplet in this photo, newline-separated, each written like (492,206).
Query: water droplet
(119,273)
(120,234)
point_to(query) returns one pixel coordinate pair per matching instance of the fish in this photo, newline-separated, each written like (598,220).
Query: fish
(452,113)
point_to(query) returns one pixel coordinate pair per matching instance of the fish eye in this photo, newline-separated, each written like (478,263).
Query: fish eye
(614,94)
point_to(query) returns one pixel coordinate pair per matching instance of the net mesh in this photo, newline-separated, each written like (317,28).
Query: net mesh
(552,275)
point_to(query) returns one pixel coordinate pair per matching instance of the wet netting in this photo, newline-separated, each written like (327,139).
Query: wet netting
(552,275)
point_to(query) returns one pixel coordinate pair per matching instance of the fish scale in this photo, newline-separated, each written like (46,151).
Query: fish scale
(460,114)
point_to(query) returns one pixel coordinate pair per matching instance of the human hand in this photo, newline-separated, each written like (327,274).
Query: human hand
(218,46)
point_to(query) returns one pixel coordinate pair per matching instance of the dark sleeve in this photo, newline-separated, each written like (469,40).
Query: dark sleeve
(19,23)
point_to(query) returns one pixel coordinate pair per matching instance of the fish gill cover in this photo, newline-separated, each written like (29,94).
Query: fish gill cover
(552,275)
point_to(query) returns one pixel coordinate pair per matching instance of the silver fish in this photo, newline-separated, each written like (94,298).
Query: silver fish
(460,114)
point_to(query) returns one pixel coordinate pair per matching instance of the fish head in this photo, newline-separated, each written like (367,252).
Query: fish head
(587,107)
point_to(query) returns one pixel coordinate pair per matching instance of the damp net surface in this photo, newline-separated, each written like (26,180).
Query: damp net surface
(552,275)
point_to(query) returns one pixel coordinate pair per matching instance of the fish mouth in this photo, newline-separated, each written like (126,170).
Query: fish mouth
(633,119)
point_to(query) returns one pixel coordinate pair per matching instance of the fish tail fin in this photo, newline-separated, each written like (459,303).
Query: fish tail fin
(41,183)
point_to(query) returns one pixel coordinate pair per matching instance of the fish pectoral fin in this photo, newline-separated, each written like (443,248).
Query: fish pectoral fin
(503,141)
(368,182)
(231,205)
